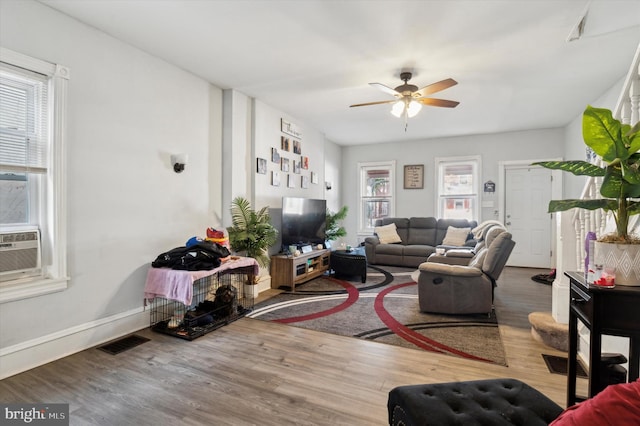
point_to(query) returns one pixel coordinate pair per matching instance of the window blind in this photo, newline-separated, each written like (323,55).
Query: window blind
(23,121)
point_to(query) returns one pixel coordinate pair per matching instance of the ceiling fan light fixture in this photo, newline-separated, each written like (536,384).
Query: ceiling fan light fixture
(398,108)
(413,108)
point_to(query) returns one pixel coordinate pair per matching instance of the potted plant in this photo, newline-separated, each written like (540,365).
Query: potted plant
(252,233)
(333,229)
(618,145)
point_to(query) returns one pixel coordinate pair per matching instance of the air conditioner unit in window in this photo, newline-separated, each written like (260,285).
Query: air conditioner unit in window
(19,255)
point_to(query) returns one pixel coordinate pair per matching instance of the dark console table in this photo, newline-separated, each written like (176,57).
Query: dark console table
(605,311)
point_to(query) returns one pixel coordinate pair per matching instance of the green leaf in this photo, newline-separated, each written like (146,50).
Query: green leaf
(563,205)
(577,167)
(603,134)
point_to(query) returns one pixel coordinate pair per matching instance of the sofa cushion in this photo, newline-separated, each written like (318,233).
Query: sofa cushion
(388,234)
(456,236)
(444,224)
(422,230)
(393,249)
(420,250)
(402,226)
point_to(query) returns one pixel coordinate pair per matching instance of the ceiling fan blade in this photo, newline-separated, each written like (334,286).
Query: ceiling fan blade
(436,87)
(375,103)
(438,102)
(385,89)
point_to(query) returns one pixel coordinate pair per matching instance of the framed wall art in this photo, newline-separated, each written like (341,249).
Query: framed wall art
(261,166)
(414,176)
(284,164)
(285,143)
(275,178)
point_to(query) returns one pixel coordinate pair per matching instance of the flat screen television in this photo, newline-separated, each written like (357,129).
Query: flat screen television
(303,221)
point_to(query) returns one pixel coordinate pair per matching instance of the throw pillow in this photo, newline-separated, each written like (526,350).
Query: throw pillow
(388,234)
(456,236)
(615,405)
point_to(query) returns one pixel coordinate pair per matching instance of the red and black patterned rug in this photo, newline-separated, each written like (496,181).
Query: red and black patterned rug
(384,309)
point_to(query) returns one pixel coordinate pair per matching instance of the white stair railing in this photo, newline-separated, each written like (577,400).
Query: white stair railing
(627,110)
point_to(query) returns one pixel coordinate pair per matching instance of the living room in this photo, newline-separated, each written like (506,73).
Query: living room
(129,111)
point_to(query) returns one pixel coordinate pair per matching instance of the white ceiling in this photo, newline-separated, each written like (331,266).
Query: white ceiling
(312,59)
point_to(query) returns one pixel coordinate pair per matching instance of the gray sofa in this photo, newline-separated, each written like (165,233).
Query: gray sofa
(420,237)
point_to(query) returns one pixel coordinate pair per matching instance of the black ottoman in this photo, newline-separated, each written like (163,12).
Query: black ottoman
(480,402)
(349,263)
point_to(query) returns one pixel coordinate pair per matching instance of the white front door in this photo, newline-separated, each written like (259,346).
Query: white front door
(527,195)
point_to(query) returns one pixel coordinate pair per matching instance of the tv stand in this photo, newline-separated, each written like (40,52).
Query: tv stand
(287,270)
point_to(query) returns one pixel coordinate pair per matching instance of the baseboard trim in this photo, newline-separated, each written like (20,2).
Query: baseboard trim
(33,353)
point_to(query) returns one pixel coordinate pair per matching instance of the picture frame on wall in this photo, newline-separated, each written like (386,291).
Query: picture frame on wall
(261,166)
(275,178)
(275,155)
(291,181)
(284,164)
(304,182)
(414,176)
(314,178)
(296,167)
(305,162)
(285,143)
(297,148)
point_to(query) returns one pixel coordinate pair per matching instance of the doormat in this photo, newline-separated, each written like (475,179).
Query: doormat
(558,365)
(123,344)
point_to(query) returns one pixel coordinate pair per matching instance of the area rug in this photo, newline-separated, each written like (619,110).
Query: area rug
(384,309)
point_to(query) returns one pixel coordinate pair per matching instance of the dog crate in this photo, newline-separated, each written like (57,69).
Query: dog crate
(218,299)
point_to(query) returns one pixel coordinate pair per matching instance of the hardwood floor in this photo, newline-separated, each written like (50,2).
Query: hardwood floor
(254,372)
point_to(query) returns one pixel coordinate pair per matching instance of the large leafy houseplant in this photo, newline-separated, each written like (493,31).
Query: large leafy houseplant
(618,145)
(252,232)
(333,229)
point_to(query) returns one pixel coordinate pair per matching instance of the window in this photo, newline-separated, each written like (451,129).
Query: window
(32,188)
(458,187)
(377,183)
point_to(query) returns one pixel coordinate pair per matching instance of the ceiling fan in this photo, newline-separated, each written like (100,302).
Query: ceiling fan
(409,100)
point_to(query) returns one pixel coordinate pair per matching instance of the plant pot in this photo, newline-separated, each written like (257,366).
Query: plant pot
(623,258)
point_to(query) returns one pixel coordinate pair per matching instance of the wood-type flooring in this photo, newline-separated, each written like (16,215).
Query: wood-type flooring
(253,372)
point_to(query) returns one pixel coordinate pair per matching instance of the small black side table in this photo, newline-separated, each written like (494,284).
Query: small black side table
(605,311)
(349,263)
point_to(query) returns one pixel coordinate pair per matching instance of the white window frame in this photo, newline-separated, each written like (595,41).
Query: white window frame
(364,230)
(476,162)
(54,228)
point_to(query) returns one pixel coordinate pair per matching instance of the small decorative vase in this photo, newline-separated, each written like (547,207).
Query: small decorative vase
(623,258)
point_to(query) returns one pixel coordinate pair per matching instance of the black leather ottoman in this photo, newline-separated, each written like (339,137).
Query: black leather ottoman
(349,263)
(480,402)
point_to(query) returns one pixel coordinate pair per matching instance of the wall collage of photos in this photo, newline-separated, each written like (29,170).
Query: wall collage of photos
(289,165)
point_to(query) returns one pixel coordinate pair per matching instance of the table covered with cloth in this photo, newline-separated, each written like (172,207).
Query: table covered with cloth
(177,285)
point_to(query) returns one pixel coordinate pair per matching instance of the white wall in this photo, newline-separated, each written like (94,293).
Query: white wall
(128,112)
(493,148)
(267,134)
(332,168)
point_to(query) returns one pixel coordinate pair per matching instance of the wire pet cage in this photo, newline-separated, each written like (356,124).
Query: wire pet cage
(218,299)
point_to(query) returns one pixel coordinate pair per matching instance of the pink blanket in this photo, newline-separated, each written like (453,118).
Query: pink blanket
(178,285)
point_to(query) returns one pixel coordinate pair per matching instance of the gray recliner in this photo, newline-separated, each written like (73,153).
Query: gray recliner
(464,289)
(464,256)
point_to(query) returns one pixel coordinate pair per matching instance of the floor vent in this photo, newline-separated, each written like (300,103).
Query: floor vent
(123,344)
(558,365)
